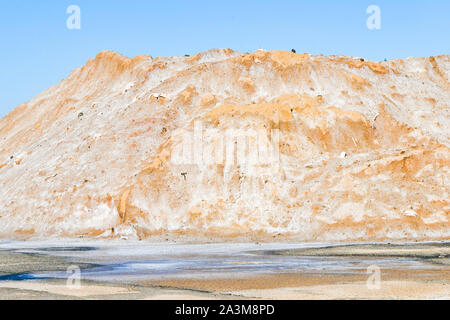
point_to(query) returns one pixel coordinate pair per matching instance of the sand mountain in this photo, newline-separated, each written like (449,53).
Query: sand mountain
(264,145)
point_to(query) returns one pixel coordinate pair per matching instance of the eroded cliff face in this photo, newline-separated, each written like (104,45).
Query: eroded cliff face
(267,145)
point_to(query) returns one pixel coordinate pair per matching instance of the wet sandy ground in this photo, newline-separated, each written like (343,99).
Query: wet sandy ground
(224,271)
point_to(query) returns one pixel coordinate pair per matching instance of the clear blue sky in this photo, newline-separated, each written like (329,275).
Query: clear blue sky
(38,50)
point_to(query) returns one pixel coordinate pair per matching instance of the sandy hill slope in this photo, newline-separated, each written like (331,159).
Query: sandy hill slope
(265,145)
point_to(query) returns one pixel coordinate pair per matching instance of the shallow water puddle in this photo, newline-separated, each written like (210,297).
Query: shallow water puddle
(126,262)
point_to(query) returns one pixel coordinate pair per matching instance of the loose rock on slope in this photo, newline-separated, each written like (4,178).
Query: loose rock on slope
(345,149)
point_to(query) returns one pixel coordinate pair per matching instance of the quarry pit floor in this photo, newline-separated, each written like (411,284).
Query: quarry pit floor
(118,269)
